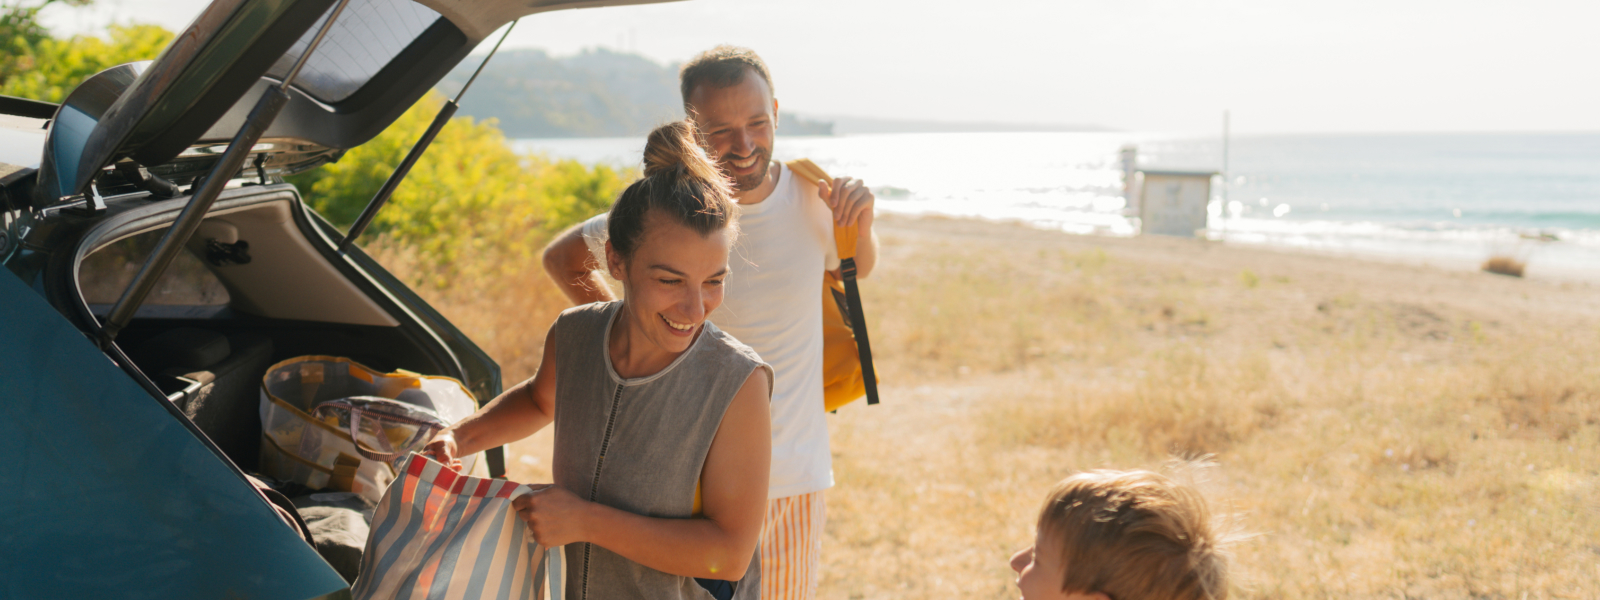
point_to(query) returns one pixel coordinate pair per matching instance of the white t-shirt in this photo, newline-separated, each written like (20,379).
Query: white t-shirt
(773,303)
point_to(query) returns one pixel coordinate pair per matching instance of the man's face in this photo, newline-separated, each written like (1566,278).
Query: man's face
(740,123)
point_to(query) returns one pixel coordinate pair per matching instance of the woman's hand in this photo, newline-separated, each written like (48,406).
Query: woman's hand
(721,542)
(515,414)
(554,515)
(443,449)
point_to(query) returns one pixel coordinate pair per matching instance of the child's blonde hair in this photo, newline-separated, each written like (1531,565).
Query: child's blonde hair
(1134,535)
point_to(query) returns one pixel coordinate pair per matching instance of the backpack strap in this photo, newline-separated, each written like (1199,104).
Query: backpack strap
(844,239)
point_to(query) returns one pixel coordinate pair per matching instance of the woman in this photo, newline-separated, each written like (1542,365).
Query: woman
(663,439)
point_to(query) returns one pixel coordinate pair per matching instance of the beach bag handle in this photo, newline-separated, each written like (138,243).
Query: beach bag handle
(384,410)
(425,432)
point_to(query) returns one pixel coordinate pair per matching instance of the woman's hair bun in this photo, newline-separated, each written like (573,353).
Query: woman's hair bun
(677,144)
(680,181)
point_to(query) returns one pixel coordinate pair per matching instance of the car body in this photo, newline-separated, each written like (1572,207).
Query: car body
(126,457)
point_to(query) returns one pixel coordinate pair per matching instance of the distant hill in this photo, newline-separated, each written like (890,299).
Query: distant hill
(596,93)
(601,93)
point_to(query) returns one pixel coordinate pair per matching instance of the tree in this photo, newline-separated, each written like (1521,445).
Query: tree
(19,21)
(470,195)
(37,66)
(20,31)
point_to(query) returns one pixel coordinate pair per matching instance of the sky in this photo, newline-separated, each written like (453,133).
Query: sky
(1277,66)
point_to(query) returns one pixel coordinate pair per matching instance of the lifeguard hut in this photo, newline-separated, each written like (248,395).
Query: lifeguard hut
(1167,202)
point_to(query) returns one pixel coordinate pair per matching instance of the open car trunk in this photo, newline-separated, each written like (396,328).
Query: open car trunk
(175,116)
(109,496)
(192,144)
(259,283)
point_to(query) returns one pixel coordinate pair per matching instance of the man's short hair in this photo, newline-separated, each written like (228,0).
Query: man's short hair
(721,67)
(1134,535)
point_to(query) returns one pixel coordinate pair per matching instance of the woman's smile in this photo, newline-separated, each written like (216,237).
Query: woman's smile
(681,329)
(674,278)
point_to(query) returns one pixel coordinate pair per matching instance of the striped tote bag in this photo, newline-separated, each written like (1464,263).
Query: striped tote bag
(441,535)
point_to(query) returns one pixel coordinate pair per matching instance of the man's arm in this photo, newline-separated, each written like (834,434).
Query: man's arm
(866,252)
(853,203)
(568,262)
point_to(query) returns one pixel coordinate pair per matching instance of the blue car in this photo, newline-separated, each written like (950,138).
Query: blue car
(156,264)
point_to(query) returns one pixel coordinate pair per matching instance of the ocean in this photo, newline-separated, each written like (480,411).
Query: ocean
(1452,200)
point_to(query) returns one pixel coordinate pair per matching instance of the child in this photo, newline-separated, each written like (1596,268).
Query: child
(1123,535)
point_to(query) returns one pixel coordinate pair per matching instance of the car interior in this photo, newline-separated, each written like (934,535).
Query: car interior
(250,290)
(262,279)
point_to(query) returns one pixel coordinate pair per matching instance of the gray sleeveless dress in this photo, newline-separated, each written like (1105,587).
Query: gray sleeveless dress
(639,444)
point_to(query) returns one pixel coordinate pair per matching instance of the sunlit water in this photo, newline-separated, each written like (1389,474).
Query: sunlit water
(1450,199)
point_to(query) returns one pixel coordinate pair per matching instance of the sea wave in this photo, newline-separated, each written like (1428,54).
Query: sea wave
(1452,199)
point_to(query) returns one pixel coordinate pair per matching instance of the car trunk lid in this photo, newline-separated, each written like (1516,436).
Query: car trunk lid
(174,115)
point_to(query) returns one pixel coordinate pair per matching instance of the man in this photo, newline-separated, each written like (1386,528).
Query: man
(773,297)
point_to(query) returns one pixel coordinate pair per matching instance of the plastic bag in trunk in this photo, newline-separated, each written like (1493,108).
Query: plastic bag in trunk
(331,423)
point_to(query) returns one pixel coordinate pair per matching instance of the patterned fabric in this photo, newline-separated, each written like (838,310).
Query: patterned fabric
(791,547)
(440,535)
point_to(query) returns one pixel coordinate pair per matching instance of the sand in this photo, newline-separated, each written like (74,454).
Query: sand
(1380,429)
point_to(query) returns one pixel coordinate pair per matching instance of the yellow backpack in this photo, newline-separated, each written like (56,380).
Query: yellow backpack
(847,372)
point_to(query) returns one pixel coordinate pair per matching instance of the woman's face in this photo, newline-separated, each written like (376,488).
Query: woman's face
(672,281)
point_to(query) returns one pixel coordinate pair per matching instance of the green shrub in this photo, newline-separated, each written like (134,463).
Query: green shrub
(471,206)
(48,68)
(470,199)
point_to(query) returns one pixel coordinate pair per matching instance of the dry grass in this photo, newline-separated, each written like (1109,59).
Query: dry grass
(1395,432)
(505,308)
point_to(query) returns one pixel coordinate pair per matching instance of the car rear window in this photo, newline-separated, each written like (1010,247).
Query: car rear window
(187,282)
(365,37)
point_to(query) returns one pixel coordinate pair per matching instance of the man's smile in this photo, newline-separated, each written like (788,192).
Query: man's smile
(745,163)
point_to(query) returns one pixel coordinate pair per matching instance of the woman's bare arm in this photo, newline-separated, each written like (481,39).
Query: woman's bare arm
(719,543)
(513,415)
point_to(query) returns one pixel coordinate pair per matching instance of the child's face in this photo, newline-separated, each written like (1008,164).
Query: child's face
(1040,571)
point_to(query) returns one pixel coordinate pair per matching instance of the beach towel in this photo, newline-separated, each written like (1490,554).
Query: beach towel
(438,534)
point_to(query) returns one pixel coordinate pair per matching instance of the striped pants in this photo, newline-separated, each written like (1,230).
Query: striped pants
(791,547)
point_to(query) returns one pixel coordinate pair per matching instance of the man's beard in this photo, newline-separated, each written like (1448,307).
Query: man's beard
(753,180)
